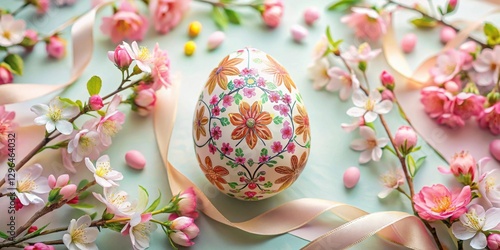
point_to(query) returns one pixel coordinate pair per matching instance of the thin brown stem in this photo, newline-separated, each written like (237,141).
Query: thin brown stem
(15,12)
(224,5)
(440,21)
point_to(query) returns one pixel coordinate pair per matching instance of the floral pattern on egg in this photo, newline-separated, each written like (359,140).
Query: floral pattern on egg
(251,129)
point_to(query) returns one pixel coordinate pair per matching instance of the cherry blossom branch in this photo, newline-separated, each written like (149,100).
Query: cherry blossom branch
(16,11)
(440,21)
(223,5)
(48,138)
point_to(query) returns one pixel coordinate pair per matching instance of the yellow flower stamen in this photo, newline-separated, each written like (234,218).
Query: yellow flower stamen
(442,204)
(26,185)
(102,169)
(143,54)
(55,113)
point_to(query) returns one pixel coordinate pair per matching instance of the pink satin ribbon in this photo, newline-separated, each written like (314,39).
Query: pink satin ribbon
(83,47)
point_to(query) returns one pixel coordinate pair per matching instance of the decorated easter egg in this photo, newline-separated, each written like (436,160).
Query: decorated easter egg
(250,127)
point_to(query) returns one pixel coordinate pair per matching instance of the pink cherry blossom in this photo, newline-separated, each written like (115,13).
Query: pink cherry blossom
(467,105)
(109,125)
(39,246)
(42,6)
(216,133)
(6,127)
(494,242)
(11,30)
(85,143)
(290,148)
(369,107)
(363,53)
(349,127)
(434,100)
(249,92)
(187,203)
(167,13)
(274,97)
(318,73)
(125,23)
(32,37)
(145,101)
(183,231)
(160,68)
(342,81)
(95,102)
(449,117)
(490,119)
(370,145)
(448,64)
(405,139)
(391,180)
(474,223)
(366,22)
(227,101)
(438,203)
(320,48)
(468,49)
(487,65)
(276,147)
(286,131)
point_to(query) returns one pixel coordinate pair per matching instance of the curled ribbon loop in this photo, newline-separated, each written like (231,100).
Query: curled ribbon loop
(398,227)
(83,46)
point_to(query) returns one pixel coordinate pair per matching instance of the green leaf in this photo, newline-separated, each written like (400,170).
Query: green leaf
(271,85)
(92,216)
(424,23)
(101,113)
(232,184)
(308,144)
(82,206)
(250,162)
(94,85)
(144,190)
(230,85)
(3,235)
(268,184)
(232,16)
(238,98)
(342,4)
(221,156)
(221,95)
(155,203)
(401,112)
(80,104)
(224,121)
(115,226)
(492,34)
(389,148)
(82,183)
(329,35)
(220,17)
(298,97)
(83,195)
(415,149)
(278,120)
(263,152)
(54,195)
(68,101)
(107,216)
(419,163)
(412,166)
(15,62)
(239,152)
(264,98)
(38,231)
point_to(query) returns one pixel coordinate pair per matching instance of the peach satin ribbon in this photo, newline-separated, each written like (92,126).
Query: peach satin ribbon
(398,227)
(83,46)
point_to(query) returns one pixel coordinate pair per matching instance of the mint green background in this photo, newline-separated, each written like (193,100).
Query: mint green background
(330,154)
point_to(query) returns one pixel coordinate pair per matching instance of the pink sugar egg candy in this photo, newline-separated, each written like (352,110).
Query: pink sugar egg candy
(495,149)
(311,14)
(135,159)
(447,34)
(351,177)
(215,40)
(298,33)
(408,42)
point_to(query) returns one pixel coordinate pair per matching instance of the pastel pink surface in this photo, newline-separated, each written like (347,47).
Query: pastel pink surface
(351,177)
(135,159)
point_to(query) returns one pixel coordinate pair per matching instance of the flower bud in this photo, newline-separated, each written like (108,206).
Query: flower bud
(183,231)
(408,43)
(145,101)
(5,75)
(56,47)
(494,242)
(298,33)
(39,246)
(68,191)
(405,139)
(120,57)
(492,97)
(272,16)
(452,87)
(311,15)
(447,34)
(387,80)
(62,180)
(387,95)
(463,167)
(51,181)
(74,200)
(30,39)
(469,47)
(215,39)
(95,102)
(32,229)
(187,203)
(452,4)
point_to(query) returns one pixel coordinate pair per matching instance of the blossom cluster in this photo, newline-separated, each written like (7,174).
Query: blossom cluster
(465,85)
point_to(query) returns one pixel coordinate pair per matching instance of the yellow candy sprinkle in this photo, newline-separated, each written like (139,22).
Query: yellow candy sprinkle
(194,29)
(189,48)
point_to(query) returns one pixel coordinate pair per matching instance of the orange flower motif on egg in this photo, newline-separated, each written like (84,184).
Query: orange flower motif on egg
(251,123)
(227,67)
(200,122)
(291,173)
(213,174)
(302,119)
(281,75)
